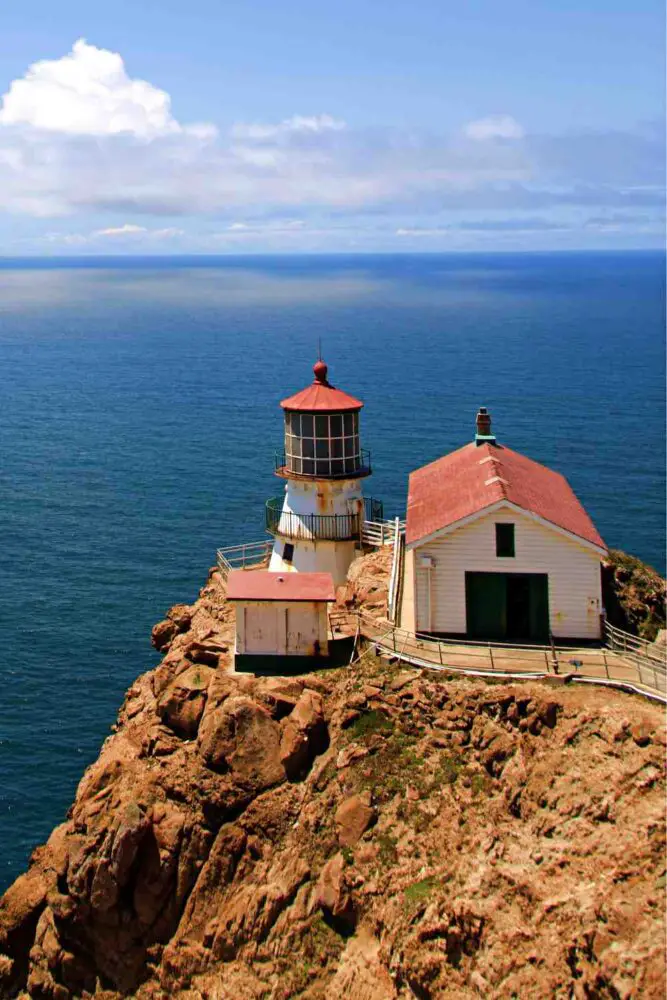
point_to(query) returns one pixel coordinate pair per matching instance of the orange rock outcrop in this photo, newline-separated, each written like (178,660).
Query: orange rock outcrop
(370,833)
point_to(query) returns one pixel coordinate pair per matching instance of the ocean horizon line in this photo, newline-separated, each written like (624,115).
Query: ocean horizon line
(28,260)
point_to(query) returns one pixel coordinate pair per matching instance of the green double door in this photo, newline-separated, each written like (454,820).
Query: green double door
(508,606)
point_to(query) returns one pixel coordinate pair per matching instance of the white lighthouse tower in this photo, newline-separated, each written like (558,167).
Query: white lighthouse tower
(318,522)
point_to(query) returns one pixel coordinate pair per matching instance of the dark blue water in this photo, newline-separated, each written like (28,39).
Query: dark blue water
(139,416)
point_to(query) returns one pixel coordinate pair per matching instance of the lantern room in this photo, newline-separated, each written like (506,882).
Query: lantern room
(322,433)
(318,521)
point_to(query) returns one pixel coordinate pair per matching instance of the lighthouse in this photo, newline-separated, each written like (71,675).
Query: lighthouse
(318,522)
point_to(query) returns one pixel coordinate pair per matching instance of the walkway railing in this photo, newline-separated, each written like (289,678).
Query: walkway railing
(632,644)
(378,533)
(599,665)
(396,573)
(251,555)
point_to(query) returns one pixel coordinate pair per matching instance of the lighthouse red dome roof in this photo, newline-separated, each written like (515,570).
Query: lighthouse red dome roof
(321,395)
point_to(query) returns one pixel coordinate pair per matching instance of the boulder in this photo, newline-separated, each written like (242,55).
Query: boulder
(163,633)
(281,694)
(295,751)
(332,894)
(304,735)
(181,615)
(182,705)
(641,732)
(353,818)
(20,909)
(241,737)
(207,653)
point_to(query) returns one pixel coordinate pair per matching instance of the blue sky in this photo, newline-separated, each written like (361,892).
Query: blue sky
(308,127)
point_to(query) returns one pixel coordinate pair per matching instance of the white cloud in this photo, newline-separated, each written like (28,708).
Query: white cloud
(494,127)
(296,124)
(88,92)
(266,226)
(80,137)
(421,232)
(127,230)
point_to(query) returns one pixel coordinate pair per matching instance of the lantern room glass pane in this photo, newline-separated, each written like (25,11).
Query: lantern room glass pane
(308,446)
(336,421)
(306,425)
(322,448)
(321,427)
(308,467)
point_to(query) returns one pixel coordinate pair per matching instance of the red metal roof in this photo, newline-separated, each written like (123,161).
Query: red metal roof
(321,396)
(264,585)
(477,476)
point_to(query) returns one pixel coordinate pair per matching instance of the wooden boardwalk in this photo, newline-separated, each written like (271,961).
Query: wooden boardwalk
(598,665)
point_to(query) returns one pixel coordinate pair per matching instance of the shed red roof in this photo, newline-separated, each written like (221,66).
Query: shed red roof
(478,476)
(321,396)
(264,585)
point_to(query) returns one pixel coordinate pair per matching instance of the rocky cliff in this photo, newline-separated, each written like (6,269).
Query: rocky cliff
(368,833)
(634,594)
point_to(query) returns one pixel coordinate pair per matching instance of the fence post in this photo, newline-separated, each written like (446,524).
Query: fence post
(606,665)
(493,666)
(440,652)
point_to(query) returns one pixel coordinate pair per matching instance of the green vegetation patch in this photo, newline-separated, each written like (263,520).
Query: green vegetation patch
(387,854)
(448,770)
(371,722)
(479,784)
(391,766)
(419,891)
(633,594)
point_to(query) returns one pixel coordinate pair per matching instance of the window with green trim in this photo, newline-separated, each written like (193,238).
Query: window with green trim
(505,541)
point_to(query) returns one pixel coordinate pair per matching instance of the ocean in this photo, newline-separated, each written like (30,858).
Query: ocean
(139,418)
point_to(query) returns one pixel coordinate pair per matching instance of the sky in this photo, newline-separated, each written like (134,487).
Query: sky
(165,127)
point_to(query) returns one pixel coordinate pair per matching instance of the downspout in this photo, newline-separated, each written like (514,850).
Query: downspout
(427,563)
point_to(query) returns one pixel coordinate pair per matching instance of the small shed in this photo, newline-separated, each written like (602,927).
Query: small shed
(280,614)
(498,547)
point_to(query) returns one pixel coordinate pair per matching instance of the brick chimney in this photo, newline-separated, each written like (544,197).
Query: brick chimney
(484,435)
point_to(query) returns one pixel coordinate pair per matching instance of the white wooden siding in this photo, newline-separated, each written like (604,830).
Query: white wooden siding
(276,628)
(407,617)
(574,574)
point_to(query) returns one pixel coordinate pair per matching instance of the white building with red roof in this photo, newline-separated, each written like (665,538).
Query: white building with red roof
(498,547)
(279,615)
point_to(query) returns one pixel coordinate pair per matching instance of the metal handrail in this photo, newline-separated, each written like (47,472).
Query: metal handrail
(362,466)
(594,665)
(632,644)
(251,555)
(333,527)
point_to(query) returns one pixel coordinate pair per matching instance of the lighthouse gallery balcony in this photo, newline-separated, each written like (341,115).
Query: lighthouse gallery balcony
(330,527)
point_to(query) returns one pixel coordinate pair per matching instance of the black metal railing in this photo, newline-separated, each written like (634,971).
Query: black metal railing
(333,527)
(373,509)
(324,468)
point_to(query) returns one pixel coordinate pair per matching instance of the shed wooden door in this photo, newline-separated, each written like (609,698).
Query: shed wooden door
(302,630)
(264,631)
(507,606)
